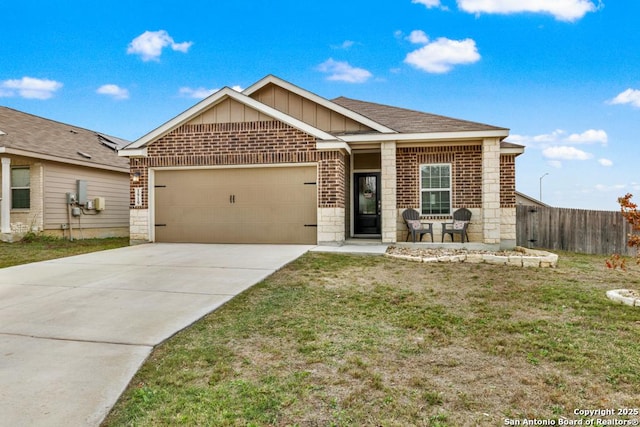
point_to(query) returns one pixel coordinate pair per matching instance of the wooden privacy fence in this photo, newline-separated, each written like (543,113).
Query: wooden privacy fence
(573,230)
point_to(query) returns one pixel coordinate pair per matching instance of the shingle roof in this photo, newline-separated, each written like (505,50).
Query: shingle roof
(410,121)
(44,137)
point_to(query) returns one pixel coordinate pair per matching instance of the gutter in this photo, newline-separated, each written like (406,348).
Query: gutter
(24,153)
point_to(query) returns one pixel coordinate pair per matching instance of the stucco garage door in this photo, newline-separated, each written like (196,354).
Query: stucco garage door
(257,205)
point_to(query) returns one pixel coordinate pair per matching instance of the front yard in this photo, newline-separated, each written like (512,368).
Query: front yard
(354,341)
(43,248)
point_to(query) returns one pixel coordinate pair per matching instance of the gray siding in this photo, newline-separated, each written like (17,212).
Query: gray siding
(60,179)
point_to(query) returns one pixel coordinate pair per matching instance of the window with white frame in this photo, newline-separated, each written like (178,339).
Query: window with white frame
(435,189)
(20,188)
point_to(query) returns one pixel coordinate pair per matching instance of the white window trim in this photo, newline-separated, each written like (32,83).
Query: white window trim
(12,187)
(422,190)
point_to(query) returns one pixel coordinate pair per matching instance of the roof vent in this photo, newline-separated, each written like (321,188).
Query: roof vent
(85,155)
(73,131)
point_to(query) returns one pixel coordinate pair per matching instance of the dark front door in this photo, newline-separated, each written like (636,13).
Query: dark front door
(367,203)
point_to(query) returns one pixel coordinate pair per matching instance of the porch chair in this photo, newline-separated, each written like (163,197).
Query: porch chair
(460,223)
(414,226)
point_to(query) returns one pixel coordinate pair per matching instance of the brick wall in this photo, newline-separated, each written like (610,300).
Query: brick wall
(466,161)
(332,189)
(227,144)
(466,164)
(508,181)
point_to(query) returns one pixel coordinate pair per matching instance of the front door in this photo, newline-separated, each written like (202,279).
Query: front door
(367,204)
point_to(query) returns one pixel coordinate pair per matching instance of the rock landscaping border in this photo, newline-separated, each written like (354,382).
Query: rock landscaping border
(625,296)
(519,257)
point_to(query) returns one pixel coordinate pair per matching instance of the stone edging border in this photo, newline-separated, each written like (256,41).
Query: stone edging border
(624,296)
(529,258)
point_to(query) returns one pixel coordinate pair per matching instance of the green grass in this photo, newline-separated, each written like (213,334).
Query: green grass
(42,248)
(335,340)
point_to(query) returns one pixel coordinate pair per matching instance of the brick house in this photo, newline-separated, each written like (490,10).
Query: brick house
(279,164)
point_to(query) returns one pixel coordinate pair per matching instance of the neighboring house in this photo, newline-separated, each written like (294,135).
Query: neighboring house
(42,162)
(279,164)
(523,199)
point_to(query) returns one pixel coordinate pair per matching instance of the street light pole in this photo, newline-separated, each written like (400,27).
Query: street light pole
(541,184)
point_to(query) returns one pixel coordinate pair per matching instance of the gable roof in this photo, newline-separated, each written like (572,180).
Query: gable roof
(387,123)
(347,112)
(32,136)
(403,120)
(214,99)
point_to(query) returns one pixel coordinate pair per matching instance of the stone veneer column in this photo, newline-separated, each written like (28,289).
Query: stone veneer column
(491,211)
(388,192)
(139,231)
(331,226)
(5,204)
(508,233)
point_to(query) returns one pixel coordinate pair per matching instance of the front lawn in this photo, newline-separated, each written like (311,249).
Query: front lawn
(369,341)
(42,248)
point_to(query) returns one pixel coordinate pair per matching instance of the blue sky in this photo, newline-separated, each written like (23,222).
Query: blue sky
(563,75)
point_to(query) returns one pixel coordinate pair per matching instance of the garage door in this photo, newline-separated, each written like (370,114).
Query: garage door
(259,205)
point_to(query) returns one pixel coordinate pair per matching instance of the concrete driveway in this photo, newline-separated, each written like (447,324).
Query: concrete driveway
(74,331)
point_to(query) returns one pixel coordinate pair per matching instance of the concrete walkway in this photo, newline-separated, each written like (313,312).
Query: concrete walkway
(74,331)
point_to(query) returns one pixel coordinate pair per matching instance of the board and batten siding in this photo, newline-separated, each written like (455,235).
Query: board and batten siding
(61,179)
(229,111)
(306,110)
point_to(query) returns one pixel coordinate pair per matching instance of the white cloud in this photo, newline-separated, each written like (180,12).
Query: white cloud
(114,91)
(562,10)
(149,45)
(30,88)
(428,3)
(565,153)
(629,96)
(605,162)
(443,54)
(537,139)
(418,37)
(610,188)
(344,72)
(591,136)
(197,93)
(345,45)
(201,92)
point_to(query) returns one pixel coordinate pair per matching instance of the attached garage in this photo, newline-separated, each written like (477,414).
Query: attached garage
(236,205)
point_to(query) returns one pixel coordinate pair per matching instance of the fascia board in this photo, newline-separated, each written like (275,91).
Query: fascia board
(179,119)
(214,99)
(420,137)
(133,152)
(334,145)
(318,100)
(512,150)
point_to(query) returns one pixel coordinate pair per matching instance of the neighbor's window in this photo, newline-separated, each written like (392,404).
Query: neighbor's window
(435,189)
(20,188)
